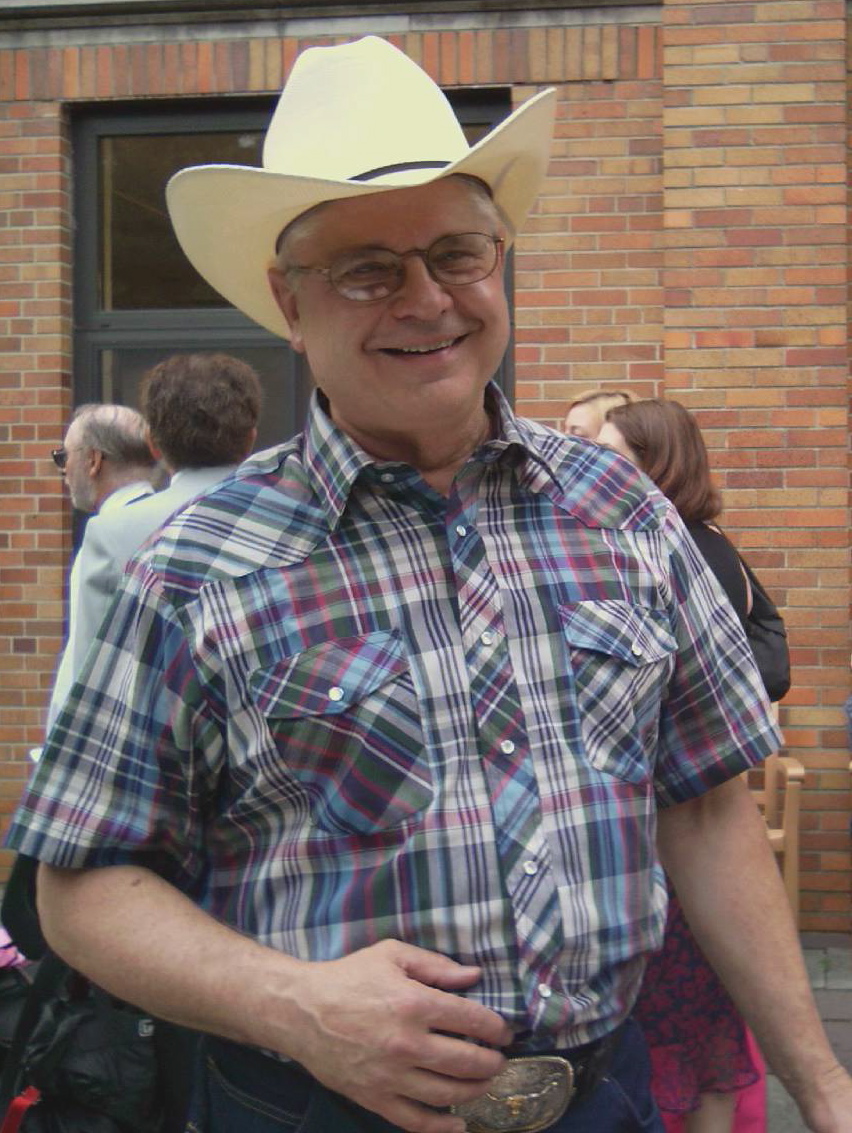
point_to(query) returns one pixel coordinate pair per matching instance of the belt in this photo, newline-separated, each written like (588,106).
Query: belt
(532,1092)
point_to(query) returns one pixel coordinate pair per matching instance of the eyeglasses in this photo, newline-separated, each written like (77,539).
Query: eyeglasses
(368,274)
(60,457)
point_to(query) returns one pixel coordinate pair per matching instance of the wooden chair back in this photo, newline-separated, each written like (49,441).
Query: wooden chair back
(778,793)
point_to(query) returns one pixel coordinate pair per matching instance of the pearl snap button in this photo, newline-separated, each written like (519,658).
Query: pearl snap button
(507,747)
(530,868)
(544,991)
(487,638)
(461,529)
(335,693)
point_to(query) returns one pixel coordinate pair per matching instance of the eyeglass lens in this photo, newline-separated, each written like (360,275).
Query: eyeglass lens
(375,273)
(60,457)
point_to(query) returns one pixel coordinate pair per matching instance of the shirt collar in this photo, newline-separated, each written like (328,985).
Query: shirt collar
(127,494)
(208,475)
(333,460)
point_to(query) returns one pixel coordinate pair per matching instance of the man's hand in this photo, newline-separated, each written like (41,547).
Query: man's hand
(739,918)
(827,1106)
(384,1027)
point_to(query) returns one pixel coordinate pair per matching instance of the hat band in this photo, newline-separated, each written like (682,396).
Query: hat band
(400,168)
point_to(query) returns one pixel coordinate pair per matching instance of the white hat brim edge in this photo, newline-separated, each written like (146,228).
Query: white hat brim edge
(227,217)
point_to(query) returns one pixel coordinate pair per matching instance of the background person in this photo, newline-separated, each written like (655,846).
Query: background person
(199,420)
(373,758)
(586,414)
(106,465)
(700,1050)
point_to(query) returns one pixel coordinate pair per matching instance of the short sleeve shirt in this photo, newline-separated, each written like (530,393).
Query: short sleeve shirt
(334,706)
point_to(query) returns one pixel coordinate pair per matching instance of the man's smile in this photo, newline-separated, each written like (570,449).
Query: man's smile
(423,348)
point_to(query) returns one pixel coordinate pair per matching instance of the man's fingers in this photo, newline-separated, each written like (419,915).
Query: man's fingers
(458,1061)
(414,1118)
(434,969)
(451,1014)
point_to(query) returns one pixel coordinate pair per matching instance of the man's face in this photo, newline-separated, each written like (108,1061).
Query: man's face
(77,472)
(422,354)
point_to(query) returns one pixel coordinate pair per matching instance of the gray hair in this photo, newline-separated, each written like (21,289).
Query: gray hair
(117,431)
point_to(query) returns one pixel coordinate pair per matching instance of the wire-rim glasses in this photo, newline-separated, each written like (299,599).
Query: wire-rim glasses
(365,275)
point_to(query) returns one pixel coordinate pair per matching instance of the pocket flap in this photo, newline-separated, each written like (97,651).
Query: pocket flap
(635,634)
(328,678)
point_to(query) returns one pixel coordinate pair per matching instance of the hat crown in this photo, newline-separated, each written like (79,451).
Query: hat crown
(360,109)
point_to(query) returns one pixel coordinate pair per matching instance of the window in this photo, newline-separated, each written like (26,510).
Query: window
(137,298)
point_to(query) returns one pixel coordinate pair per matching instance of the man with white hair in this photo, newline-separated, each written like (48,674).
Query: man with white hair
(370,769)
(107,465)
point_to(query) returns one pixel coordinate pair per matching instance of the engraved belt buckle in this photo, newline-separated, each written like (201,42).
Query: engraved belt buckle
(529,1095)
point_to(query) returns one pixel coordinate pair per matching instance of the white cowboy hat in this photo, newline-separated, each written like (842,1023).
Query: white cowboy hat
(352,119)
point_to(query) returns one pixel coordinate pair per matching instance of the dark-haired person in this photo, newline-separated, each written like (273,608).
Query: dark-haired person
(701,1052)
(198,417)
(663,438)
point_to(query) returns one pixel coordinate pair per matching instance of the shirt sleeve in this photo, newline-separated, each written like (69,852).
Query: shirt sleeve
(135,752)
(716,721)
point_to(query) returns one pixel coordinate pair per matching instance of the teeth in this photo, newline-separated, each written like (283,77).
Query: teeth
(426,349)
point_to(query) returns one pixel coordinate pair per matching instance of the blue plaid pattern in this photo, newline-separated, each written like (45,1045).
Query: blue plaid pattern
(336,707)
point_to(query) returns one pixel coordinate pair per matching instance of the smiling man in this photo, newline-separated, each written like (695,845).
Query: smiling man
(368,774)
(393,339)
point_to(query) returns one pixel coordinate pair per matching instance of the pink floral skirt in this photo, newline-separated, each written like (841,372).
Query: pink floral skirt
(698,1041)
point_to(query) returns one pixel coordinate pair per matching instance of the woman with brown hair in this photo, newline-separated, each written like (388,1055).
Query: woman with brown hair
(664,440)
(702,1055)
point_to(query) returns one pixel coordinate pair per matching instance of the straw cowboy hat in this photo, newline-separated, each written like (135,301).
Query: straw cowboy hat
(352,119)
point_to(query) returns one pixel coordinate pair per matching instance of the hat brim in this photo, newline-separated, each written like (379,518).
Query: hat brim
(227,218)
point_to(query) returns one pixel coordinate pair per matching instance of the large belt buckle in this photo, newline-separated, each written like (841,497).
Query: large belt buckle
(529,1095)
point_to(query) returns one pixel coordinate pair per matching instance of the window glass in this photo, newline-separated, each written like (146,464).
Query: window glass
(141,265)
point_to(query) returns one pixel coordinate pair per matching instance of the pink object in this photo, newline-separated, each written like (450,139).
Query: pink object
(750,1114)
(10,957)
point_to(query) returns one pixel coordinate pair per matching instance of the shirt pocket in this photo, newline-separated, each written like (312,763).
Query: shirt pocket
(346,721)
(621,660)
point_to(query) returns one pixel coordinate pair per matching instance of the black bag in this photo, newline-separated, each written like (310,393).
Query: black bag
(767,637)
(90,1058)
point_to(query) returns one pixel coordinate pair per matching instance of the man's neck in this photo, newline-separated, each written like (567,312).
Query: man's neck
(436,454)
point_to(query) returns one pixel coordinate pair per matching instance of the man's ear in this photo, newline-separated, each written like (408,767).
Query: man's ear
(94,462)
(288,303)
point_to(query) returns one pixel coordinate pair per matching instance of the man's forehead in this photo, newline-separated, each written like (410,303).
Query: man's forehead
(381,218)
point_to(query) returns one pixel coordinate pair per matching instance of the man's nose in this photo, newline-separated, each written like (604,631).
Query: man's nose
(419,287)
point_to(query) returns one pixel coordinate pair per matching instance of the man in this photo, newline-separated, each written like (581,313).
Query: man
(106,464)
(387,719)
(199,420)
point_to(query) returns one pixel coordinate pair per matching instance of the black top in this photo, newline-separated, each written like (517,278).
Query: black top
(720,555)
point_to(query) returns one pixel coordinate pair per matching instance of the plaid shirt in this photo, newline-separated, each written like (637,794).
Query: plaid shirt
(334,707)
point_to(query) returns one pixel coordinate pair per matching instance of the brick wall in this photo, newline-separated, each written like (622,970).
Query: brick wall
(691,241)
(755,316)
(35,339)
